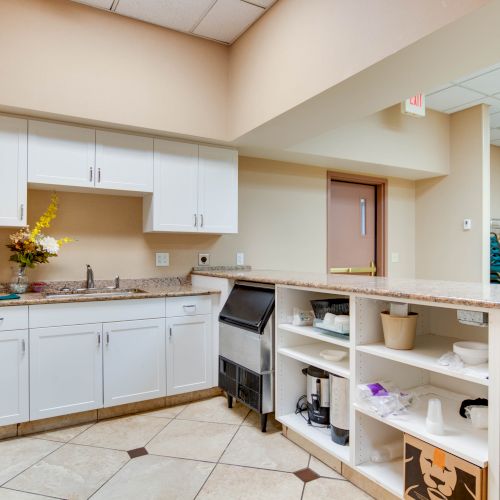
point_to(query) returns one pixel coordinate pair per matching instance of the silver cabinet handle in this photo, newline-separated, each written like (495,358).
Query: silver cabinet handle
(190,306)
(91,178)
(107,338)
(195,220)
(21,211)
(98,339)
(23,346)
(170,332)
(98,175)
(201,217)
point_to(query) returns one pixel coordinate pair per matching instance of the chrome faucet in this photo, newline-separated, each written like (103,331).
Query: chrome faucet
(90,277)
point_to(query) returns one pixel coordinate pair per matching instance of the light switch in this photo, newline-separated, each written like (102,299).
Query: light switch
(467,224)
(162,259)
(240,259)
(395,257)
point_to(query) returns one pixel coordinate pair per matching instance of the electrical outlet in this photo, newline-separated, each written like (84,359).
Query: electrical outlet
(162,259)
(395,257)
(203,259)
(240,259)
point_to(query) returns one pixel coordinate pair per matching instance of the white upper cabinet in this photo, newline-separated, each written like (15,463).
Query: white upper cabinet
(195,189)
(61,155)
(174,205)
(218,190)
(124,162)
(13,171)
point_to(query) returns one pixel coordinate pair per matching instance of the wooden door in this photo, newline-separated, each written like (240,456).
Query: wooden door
(65,370)
(218,190)
(352,226)
(189,354)
(14,377)
(61,155)
(13,171)
(134,361)
(124,162)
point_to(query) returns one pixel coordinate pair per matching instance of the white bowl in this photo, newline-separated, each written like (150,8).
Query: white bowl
(472,353)
(333,354)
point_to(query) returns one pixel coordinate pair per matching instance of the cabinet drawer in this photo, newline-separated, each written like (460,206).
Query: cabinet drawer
(13,318)
(189,306)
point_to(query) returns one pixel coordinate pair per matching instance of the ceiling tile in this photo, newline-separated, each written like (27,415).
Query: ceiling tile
(263,3)
(227,20)
(451,98)
(495,120)
(492,103)
(488,83)
(494,134)
(180,15)
(101,4)
(480,72)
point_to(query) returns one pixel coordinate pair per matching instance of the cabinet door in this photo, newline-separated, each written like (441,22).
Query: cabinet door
(61,155)
(65,370)
(134,361)
(218,190)
(189,354)
(13,171)
(124,162)
(14,381)
(174,204)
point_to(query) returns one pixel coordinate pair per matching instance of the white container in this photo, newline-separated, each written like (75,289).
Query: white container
(387,452)
(472,353)
(478,416)
(434,421)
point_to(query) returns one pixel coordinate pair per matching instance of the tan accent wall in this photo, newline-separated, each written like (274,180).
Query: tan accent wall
(443,249)
(282,226)
(495,181)
(67,60)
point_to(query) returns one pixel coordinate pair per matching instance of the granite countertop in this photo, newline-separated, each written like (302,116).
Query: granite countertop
(153,288)
(446,292)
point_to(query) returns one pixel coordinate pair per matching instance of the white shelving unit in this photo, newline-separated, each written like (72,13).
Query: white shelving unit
(370,361)
(428,349)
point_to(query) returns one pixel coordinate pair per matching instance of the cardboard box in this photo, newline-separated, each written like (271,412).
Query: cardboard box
(433,474)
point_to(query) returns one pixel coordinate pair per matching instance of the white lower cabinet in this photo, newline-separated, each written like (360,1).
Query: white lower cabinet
(134,361)
(14,377)
(189,354)
(65,370)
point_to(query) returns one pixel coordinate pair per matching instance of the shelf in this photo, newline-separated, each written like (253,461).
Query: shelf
(313,333)
(321,437)
(460,437)
(310,354)
(389,475)
(428,349)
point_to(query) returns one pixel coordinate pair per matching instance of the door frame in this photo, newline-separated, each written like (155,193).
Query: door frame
(381,212)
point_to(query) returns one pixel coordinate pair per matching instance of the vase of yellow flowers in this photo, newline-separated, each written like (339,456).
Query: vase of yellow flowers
(33,247)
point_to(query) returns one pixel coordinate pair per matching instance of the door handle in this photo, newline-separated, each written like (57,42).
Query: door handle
(201,217)
(23,346)
(371,270)
(170,332)
(107,338)
(195,220)
(98,175)
(362,203)
(21,211)
(91,176)
(98,339)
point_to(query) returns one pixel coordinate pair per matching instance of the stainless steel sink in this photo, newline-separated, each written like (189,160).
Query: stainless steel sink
(91,292)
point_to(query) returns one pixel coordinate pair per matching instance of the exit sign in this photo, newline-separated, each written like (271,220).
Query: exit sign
(414,106)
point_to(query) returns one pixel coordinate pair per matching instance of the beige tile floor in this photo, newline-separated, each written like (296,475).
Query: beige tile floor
(198,451)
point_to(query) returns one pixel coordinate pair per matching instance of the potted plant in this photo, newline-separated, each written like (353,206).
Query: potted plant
(34,247)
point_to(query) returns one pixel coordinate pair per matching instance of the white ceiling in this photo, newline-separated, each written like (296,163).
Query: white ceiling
(220,20)
(480,87)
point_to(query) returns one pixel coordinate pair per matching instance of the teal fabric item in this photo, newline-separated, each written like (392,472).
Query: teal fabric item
(12,296)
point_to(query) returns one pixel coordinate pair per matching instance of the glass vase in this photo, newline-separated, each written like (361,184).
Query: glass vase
(19,282)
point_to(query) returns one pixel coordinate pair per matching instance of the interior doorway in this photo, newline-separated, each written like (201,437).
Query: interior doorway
(356,219)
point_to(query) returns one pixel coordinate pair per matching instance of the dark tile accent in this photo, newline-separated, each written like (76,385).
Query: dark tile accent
(306,475)
(138,452)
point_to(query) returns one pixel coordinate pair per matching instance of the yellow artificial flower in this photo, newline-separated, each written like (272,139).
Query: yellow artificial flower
(64,240)
(45,220)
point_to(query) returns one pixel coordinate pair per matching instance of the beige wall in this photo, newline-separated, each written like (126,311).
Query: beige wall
(495,181)
(282,226)
(443,249)
(63,59)
(295,52)
(390,142)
